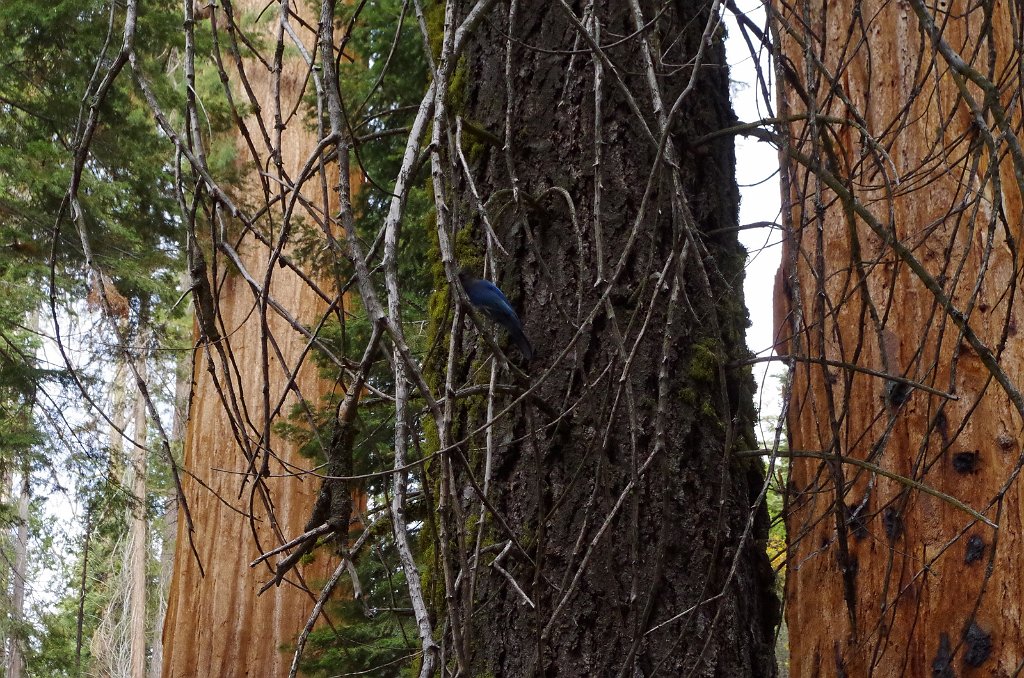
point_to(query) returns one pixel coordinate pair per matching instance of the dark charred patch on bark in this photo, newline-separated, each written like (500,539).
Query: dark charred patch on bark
(892,521)
(966,462)
(942,664)
(977,644)
(855,520)
(975,550)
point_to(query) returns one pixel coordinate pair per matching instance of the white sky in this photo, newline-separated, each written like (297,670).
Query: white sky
(757,173)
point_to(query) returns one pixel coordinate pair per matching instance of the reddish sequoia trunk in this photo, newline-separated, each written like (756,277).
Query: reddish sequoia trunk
(910,205)
(217,625)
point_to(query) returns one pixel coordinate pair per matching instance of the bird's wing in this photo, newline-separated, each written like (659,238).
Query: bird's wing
(494,300)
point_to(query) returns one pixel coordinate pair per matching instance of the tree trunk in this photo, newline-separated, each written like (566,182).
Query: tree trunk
(617,475)
(109,645)
(138,545)
(15,652)
(217,624)
(903,181)
(168,527)
(168,523)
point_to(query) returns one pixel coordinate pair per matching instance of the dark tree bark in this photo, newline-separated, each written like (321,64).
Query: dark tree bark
(617,475)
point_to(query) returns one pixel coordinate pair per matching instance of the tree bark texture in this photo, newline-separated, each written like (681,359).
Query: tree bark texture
(641,553)
(106,644)
(217,624)
(167,524)
(137,550)
(902,174)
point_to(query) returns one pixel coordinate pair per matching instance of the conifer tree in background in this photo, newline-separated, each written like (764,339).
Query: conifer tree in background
(52,411)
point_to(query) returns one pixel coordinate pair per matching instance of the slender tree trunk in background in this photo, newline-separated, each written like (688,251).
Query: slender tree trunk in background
(643,553)
(83,583)
(119,644)
(138,544)
(106,642)
(6,495)
(903,182)
(168,528)
(15,654)
(10,548)
(168,523)
(119,387)
(217,624)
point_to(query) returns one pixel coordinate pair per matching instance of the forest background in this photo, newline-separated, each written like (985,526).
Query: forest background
(240,383)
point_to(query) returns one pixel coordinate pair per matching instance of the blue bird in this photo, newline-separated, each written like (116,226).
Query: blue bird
(486,296)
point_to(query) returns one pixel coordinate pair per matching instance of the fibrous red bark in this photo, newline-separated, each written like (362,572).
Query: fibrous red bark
(219,624)
(901,263)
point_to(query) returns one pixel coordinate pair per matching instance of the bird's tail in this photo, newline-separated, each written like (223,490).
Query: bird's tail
(521,342)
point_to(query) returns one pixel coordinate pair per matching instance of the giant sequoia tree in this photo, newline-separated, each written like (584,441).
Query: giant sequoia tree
(904,178)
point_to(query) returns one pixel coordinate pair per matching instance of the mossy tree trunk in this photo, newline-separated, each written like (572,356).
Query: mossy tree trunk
(617,474)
